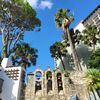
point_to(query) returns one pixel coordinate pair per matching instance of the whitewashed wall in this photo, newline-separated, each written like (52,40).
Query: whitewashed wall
(11,88)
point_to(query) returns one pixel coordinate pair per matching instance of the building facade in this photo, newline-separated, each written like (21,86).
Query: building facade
(11,81)
(93,18)
(55,85)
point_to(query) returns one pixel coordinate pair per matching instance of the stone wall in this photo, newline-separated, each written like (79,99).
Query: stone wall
(64,88)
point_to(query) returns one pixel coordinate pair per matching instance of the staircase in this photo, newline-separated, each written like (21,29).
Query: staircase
(50,98)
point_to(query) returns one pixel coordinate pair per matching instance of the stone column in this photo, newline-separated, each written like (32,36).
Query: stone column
(30,87)
(44,85)
(63,84)
(55,87)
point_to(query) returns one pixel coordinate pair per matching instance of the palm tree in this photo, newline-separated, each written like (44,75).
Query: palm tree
(23,55)
(58,50)
(91,36)
(93,77)
(63,18)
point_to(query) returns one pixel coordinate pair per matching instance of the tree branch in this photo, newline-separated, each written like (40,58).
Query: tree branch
(17,39)
(9,45)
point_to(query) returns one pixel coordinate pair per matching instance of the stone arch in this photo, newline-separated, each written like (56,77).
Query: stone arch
(49,81)
(38,74)
(59,81)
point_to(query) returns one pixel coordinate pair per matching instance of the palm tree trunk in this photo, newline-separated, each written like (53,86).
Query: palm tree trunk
(62,63)
(74,53)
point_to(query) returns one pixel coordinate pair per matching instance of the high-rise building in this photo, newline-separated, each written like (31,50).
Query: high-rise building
(93,18)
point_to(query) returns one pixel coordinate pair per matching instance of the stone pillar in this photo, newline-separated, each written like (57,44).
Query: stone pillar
(53,82)
(29,91)
(33,88)
(55,87)
(44,85)
(64,84)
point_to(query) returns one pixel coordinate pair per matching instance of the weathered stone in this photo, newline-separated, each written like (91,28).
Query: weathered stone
(62,87)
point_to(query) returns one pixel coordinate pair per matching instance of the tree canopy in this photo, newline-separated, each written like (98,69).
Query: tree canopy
(61,14)
(58,50)
(16,17)
(90,36)
(94,61)
(63,19)
(24,55)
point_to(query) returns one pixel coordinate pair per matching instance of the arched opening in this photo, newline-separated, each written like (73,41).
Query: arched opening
(38,82)
(59,82)
(49,81)
(74,97)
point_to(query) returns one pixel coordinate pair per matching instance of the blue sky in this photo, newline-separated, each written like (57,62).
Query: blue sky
(49,33)
(46,10)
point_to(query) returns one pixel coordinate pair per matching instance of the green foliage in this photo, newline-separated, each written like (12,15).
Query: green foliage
(61,14)
(75,37)
(16,17)
(94,61)
(12,17)
(93,77)
(23,55)
(58,50)
(63,19)
(91,36)
(66,73)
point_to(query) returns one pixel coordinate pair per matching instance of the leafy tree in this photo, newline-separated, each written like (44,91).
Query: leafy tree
(93,77)
(90,36)
(16,17)
(75,37)
(94,61)
(63,18)
(24,55)
(58,50)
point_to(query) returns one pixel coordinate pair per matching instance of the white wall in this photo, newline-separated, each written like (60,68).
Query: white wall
(11,88)
(79,27)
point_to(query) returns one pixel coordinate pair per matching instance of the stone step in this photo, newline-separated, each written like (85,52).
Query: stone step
(50,98)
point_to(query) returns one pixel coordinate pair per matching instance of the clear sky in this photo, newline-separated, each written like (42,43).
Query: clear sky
(46,10)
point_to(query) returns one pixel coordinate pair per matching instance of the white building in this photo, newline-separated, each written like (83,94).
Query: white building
(12,81)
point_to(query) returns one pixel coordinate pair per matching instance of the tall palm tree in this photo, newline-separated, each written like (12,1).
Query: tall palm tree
(63,18)
(58,50)
(23,55)
(91,36)
(93,77)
